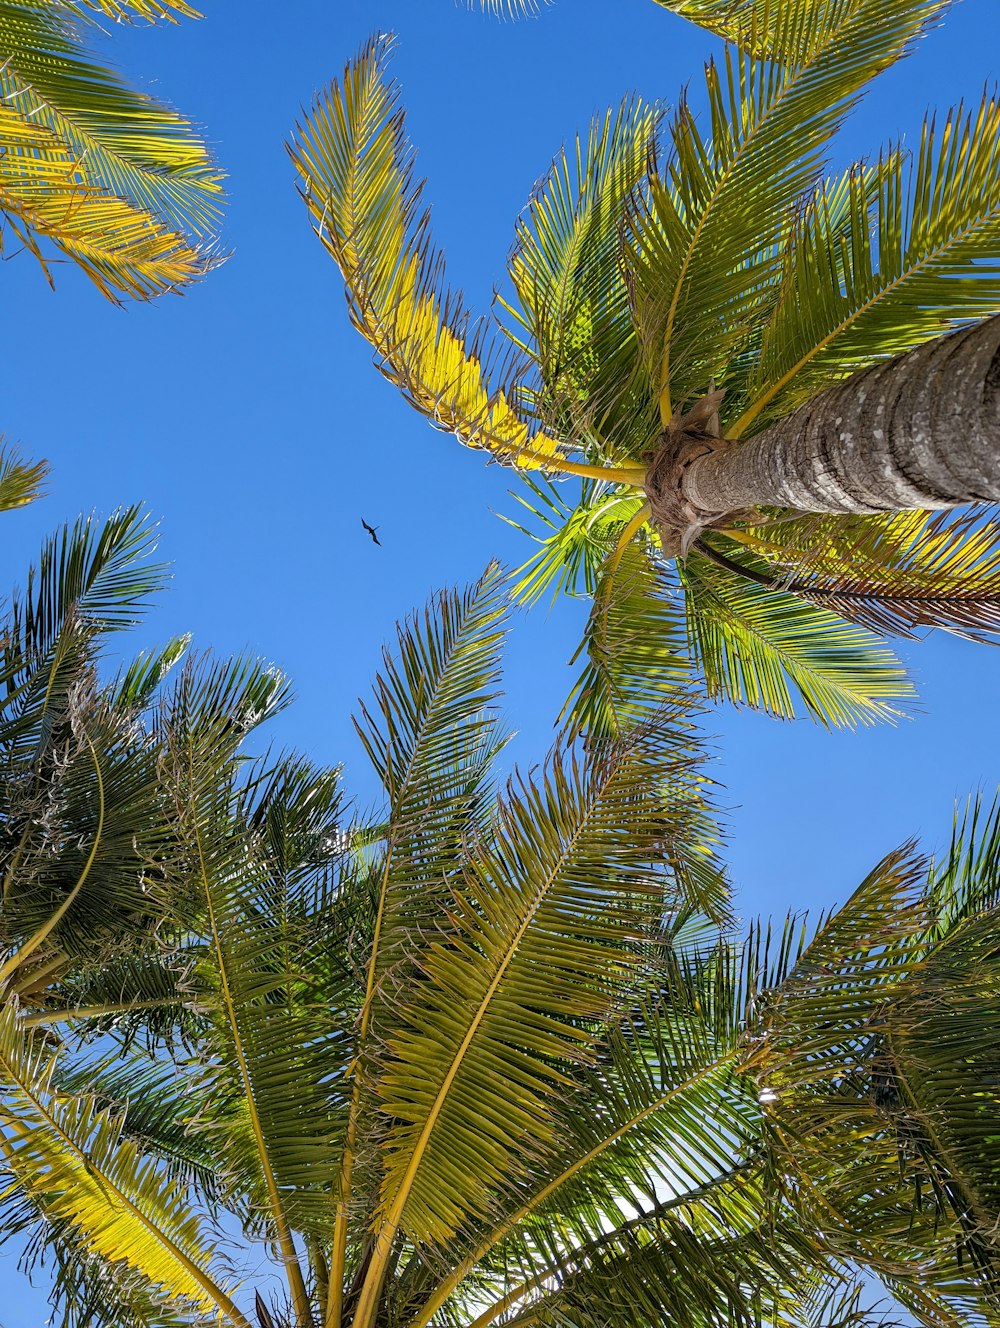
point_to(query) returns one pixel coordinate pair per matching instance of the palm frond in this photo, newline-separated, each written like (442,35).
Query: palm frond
(706,263)
(753,24)
(537,947)
(568,270)
(845,1048)
(273,1032)
(124,11)
(356,168)
(21,482)
(895,573)
(118,182)
(759,645)
(914,257)
(71,1161)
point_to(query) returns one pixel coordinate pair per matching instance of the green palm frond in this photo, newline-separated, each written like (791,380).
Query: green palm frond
(273,1029)
(760,645)
(432,732)
(573,309)
(706,263)
(533,905)
(861,1066)
(756,24)
(118,182)
(157,1104)
(914,257)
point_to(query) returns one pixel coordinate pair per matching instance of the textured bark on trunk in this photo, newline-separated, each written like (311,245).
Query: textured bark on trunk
(919,431)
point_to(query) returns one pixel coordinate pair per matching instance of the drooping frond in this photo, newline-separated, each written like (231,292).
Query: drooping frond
(118,182)
(124,11)
(70,1159)
(707,252)
(760,645)
(913,258)
(356,168)
(895,574)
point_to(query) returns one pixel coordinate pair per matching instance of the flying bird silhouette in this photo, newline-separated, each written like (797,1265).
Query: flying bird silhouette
(371,531)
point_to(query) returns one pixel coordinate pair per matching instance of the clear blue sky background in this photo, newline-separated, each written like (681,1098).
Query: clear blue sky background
(248,418)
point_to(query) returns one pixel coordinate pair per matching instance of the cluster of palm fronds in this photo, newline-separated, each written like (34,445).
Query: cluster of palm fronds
(491,1055)
(103,174)
(495,1053)
(670,256)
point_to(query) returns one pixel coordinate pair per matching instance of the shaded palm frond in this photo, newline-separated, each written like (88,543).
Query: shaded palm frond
(276,1040)
(864,1087)
(895,573)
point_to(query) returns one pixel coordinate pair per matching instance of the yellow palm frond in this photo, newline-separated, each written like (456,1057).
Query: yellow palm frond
(119,183)
(356,170)
(122,11)
(68,1157)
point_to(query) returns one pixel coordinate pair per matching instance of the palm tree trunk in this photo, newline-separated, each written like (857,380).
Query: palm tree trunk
(920,431)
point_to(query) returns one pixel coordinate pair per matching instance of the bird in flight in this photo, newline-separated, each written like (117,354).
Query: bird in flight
(371,531)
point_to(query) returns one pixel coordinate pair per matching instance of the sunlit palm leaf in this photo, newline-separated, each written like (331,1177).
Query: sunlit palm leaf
(356,168)
(69,1157)
(914,257)
(125,10)
(118,182)
(707,262)
(20,481)
(762,646)
(568,885)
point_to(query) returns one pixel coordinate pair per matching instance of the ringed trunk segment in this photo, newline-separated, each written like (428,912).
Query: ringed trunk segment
(915,433)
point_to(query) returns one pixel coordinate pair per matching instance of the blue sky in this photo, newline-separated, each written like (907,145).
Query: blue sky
(247,415)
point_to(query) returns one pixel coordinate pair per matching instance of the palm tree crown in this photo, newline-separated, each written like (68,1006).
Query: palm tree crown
(684,288)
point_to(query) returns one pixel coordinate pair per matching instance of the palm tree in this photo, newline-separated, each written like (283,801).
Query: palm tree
(112,179)
(84,818)
(483,1056)
(772,385)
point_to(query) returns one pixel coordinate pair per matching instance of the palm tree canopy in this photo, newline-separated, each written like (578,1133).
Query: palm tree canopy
(488,1053)
(110,178)
(698,276)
